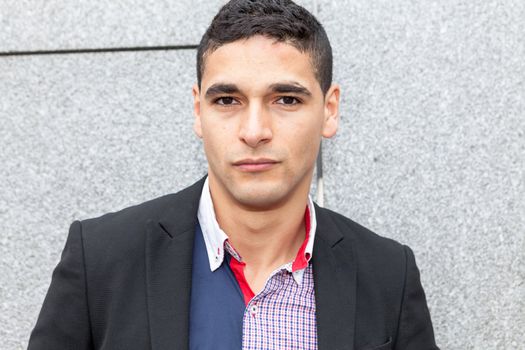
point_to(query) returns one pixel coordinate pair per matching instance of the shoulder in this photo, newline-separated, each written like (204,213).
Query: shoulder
(130,216)
(370,249)
(356,233)
(126,227)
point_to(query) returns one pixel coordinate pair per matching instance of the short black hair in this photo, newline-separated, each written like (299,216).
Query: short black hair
(282,20)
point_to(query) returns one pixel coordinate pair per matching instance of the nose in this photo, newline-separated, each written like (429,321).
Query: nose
(255,128)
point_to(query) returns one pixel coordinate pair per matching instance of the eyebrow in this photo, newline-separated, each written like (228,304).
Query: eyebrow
(280,88)
(286,88)
(220,88)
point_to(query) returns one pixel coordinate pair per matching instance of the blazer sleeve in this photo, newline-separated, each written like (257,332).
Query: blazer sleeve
(415,327)
(63,322)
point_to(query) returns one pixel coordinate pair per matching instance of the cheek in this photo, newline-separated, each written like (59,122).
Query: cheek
(304,136)
(302,148)
(216,126)
(217,138)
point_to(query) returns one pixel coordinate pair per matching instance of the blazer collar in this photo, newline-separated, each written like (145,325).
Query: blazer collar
(168,254)
(335,279)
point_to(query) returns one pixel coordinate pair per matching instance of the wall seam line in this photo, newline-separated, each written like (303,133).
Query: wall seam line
(97,50)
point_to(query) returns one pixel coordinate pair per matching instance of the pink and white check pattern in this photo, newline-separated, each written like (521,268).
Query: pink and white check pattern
(282,315)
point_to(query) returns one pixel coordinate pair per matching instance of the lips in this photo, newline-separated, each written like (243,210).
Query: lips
(255,165)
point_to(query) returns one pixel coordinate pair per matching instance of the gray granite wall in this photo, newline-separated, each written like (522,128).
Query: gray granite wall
(430,150)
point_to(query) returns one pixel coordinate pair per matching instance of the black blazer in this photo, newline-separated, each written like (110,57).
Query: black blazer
(124,280)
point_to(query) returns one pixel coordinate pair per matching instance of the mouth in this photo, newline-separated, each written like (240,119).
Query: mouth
(255,165)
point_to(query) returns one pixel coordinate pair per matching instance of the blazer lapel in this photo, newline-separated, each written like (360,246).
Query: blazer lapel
(169,249)
(335,285)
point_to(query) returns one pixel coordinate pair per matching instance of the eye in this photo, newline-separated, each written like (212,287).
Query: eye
(288,100)
(226,101)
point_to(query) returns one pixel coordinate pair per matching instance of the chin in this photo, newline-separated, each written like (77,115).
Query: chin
(261,197)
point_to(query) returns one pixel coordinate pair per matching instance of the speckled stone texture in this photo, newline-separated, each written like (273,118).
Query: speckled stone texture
(46,25)
(430,151)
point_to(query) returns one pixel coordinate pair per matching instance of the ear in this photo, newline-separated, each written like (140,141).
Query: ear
(331,111)
(197,127)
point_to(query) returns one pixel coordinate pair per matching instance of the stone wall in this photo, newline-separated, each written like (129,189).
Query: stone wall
(430,150)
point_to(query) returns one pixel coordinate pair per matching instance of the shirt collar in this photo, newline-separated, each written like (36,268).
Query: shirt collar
(215,238)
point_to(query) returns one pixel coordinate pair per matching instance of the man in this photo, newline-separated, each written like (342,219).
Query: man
(243,258)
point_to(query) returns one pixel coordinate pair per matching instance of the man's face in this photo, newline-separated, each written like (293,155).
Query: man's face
(261,115)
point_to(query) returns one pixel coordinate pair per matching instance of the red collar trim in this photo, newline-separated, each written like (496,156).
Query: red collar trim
(302,258)
(301,262)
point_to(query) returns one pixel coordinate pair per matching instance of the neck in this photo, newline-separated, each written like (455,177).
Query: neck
(265,238)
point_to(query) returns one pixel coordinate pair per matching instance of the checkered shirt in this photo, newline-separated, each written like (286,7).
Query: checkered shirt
(282,315)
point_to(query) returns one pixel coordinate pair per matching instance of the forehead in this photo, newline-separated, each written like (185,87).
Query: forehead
(258,61)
